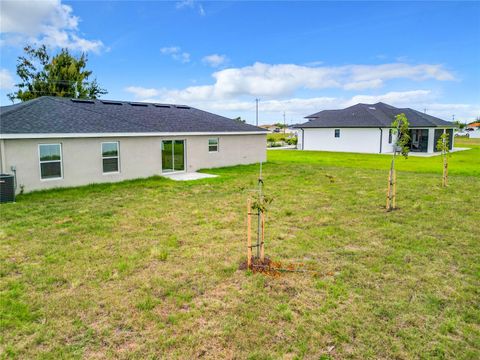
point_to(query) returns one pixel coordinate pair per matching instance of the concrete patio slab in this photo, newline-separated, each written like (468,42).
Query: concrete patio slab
(187,176)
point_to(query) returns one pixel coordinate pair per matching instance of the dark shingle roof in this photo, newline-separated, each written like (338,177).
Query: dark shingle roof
(370,115)
(55,115)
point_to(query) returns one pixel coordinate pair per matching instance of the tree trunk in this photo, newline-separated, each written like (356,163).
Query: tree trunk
(391,181)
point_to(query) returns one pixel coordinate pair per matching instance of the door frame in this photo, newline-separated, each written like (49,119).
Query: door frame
(184,156)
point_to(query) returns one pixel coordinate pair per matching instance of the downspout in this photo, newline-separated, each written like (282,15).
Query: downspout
(303,139)
(381,139)
(2,158)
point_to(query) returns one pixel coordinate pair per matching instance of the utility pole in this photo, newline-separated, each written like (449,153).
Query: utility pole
(284,123)
(453,117)
(256,101)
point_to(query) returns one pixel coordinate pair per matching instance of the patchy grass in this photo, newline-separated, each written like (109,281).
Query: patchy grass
(148,268)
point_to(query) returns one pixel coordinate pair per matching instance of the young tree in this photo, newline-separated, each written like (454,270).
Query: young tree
(400,128)
(443,145)
(60,75)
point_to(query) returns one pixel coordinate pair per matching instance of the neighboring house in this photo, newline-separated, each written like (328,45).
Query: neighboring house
(473,130)
(55,142)
(366,128)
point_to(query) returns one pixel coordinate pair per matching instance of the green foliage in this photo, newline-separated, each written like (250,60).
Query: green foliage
(261,203)
(276,137)
(292,140)
(460,125)
(61,75)
(400,127)
(443,143)
(239,119)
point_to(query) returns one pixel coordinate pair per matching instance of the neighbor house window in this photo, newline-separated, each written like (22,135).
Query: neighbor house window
(213,145)
(110,157)
(390,132)
(50,161)
(337,133)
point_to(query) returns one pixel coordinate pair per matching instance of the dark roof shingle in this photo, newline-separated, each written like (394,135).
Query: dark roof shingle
(55,115)
(370,115)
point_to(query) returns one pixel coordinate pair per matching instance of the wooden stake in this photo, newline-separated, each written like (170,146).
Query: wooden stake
(388,189)
(262,248)
(394,195)
(446,172)
(249,235)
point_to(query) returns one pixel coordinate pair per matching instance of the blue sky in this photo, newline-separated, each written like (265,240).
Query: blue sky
(297,57)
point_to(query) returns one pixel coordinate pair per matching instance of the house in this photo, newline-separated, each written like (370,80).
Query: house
(55,142)
(366,128)
(473,130)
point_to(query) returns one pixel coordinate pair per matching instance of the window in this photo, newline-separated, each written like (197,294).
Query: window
(337,133)
(213,145)
(110,157)
(390,132)
(50,161)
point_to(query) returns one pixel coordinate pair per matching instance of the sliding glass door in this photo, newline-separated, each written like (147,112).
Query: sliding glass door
(173,155)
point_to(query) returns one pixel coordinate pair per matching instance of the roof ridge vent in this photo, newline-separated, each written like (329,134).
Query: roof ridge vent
(138,104)
(162,106)
(182,107)
(109,102)
(83,101)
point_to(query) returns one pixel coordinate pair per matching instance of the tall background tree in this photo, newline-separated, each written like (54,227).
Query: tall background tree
(63,74)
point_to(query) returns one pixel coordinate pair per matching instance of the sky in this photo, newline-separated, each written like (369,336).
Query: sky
(297,58)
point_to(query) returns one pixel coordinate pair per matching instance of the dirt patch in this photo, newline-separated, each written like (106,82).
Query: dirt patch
(276,268)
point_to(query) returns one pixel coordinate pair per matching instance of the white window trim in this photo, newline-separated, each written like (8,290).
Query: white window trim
(111,157)
(40,162)
(218,145)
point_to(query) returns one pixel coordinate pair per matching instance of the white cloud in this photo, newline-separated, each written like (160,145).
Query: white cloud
(215,60)
(284,80)
(176,53)
(6,80)
(190,4)
(141,92)
(396,98)
(43,21)
(234,89)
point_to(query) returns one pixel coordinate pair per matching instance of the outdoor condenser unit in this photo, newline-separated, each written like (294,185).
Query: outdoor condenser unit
(7,188)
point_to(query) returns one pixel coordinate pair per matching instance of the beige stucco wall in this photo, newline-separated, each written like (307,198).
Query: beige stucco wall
(139,157)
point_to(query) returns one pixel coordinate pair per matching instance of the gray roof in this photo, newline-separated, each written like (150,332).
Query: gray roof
(56,115)
(370,115)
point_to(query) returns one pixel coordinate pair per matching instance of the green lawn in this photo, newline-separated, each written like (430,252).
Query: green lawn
(148,268)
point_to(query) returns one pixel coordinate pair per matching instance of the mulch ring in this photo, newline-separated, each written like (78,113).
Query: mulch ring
(270,267)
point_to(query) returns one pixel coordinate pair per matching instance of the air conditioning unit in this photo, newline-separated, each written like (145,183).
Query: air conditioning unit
(7,188)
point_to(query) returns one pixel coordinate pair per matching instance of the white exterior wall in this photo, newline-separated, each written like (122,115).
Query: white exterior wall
(363,140)
(475,134)
(139,157)
(360,140)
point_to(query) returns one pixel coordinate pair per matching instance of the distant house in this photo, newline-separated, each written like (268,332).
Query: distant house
(366,128)
(55,142)
(473,130)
